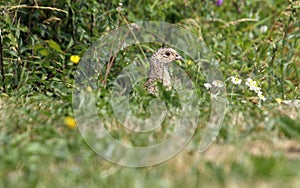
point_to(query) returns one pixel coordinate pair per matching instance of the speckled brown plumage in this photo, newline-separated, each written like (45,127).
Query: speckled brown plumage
(159,65)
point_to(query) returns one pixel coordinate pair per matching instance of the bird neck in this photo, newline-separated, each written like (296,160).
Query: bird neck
(159,71)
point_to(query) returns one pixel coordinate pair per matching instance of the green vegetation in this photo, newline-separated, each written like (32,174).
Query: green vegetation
(258,145)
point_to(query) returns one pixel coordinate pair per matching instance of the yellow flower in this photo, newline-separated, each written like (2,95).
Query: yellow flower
(278,100)
(189,62)
(75,59)
(70,122)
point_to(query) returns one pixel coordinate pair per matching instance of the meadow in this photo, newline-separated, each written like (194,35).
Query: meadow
(256,45)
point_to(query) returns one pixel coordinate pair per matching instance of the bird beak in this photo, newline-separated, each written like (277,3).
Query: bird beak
(178,57)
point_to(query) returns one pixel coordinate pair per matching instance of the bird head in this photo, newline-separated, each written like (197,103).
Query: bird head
(166,55)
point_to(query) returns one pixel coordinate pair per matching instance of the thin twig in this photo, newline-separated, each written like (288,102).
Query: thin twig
(1,62)
(139,46)
(112,59)
(234,22)
(37,7)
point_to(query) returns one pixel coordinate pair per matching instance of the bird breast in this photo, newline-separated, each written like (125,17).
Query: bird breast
(159,72)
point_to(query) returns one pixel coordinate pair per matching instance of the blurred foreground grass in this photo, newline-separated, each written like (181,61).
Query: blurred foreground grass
(38,150)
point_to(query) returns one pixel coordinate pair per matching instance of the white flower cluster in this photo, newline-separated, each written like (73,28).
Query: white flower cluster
(235,80)
(252,85)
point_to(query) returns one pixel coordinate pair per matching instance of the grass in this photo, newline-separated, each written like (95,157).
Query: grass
(38,150)
(257,146)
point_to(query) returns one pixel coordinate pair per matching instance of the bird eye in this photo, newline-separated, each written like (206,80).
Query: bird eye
(168,53)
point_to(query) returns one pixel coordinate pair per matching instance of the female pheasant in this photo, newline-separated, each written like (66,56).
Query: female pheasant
(159,64)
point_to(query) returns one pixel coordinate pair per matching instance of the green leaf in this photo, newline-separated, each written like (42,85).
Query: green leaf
(44,52)
(52,44)
(6,40)
(71,43)
(38,47)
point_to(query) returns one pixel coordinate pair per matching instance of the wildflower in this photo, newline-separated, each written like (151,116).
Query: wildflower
(189,62)
(250,82)
(252,85)
(207,85)
(278,100)
(256,89)
(217,83)
(75,59)
(70,122)
(235,80)
(261,96)
(119,8)
(263,29)
(219,2)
